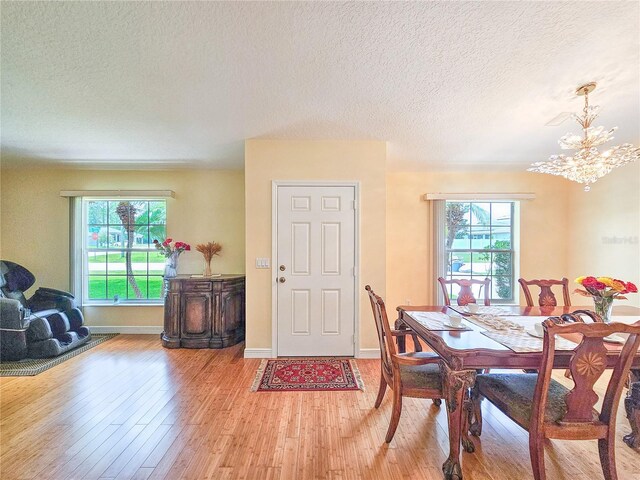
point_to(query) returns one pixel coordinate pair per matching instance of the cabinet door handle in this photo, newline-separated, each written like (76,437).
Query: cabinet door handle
(282,279)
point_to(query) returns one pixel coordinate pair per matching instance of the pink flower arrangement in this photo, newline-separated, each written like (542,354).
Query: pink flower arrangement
(603,291)
(604,287)
(167,249)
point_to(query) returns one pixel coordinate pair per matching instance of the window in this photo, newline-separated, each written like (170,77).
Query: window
(119,261)
(479,243)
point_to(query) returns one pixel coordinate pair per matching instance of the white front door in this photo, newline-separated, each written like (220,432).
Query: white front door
(316,270)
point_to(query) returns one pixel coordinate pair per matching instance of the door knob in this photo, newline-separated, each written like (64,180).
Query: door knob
(282,268)
(282,279)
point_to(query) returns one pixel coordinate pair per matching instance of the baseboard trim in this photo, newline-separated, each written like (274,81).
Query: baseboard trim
(148,330)
(369,353)
(258,353)
(267,353)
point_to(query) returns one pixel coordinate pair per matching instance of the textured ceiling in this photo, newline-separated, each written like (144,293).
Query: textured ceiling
(447,84)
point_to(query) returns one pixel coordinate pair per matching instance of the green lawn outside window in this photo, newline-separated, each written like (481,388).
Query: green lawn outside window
(118,238)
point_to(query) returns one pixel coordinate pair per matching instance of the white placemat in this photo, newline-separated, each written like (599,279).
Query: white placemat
(435,320)
(628,319)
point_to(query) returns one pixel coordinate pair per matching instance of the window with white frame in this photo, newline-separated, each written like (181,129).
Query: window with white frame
(119,261)
(479,242)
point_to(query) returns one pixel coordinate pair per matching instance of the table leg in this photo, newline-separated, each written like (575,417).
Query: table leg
(456,384)
(632,408)
(401,339)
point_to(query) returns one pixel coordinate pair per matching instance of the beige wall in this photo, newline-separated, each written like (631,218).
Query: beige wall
(604,230)
(268,160)
(1,208)
(209,205)
(543,238)
(565,231)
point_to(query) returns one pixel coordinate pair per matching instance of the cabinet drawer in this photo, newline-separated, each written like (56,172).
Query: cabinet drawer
(197,286)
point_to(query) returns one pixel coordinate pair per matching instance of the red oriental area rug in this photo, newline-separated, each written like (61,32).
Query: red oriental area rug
(308,375)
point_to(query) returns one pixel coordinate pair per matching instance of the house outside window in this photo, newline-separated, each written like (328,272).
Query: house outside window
(119,261)
(480,243)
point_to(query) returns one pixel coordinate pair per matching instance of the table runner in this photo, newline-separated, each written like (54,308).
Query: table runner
(512,332)
(521,341)
(497,322)
(518,340)
(435,321)
(483,310)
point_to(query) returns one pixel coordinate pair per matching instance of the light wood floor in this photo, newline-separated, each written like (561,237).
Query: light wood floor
(129,409)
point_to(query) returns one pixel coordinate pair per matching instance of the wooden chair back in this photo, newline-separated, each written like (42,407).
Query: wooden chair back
(465,295)
(577,316)
(546,298)
(587,365)
(385,337)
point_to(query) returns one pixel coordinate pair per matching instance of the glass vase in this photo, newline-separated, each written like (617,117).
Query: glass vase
(207,269)
(171,265)
(603,307)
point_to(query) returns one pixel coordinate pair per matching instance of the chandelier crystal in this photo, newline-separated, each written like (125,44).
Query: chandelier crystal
(587,164)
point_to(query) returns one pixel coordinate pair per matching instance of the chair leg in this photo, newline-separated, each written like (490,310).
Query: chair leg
(608,458)
(475,428)
(395,414)
(536,450)
(381,390)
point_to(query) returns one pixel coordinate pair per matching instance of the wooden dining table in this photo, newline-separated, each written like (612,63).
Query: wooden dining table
(465,352)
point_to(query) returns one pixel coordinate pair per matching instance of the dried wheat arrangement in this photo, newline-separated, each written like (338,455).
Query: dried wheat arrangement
(208,250)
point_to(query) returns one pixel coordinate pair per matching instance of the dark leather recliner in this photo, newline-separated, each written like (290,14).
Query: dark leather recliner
(45,325)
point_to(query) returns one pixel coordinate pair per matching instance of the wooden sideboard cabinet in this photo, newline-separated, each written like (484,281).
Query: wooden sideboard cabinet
(204,312)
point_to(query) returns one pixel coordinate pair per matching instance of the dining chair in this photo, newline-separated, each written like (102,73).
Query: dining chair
(547,409)
(577,316)
(411,374)
(546,298)
(465,295)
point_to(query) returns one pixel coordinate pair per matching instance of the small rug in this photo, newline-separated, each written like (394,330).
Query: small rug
(34,366)
(308,375)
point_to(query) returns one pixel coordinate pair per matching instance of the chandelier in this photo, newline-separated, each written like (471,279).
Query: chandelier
(587,164)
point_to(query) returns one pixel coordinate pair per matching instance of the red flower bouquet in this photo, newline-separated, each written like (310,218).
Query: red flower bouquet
(171,252)
(604,290)
(167,249)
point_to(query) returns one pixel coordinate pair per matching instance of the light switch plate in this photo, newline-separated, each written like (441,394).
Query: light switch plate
(262,262)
